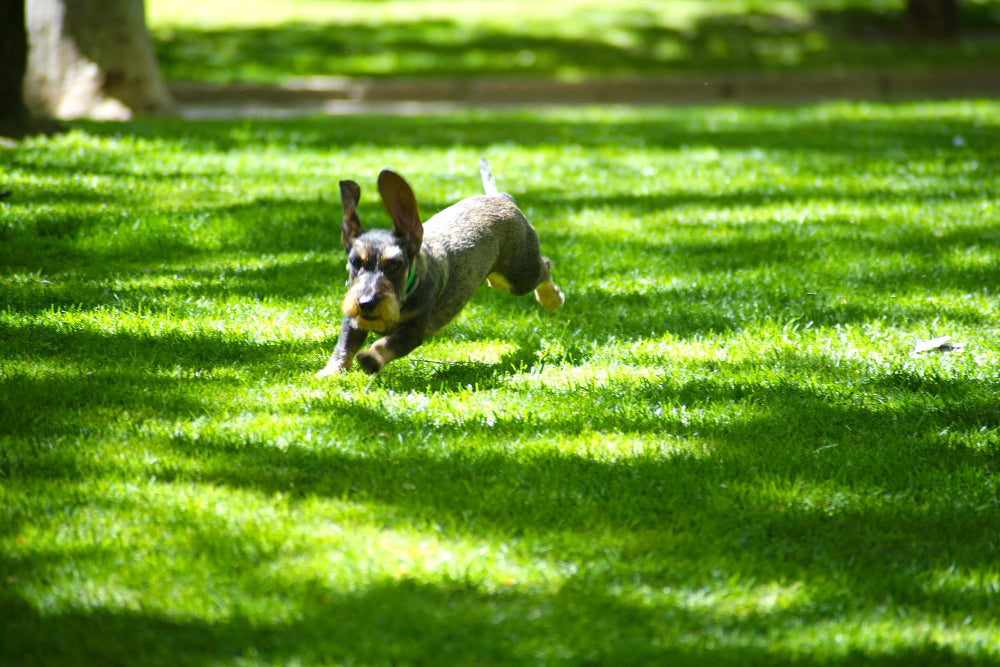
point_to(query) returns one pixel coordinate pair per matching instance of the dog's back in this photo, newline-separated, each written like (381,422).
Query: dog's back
(472,239)
(480,236)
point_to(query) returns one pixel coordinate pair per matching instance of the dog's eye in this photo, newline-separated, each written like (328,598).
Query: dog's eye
(354,262)
(392,266)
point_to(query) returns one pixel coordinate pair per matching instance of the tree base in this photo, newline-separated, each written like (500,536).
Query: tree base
(26,125)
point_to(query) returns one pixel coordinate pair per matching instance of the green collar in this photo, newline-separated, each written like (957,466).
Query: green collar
(412,281)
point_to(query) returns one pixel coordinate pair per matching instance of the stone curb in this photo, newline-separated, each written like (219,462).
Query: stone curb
(675,89)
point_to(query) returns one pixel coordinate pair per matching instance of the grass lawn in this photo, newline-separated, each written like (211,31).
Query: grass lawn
(719,451)
(269,40)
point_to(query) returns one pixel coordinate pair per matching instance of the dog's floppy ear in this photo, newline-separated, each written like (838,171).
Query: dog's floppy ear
(350,228)
(402,207)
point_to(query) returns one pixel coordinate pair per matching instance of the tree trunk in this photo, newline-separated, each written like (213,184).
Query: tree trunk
(93,59)
(932,19)
(14,56)
(15,119)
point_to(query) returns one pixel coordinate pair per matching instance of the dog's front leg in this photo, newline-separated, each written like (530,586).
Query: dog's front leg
(350,341)
(398,344)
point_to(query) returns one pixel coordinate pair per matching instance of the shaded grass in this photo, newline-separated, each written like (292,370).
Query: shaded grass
(576,39)
(719,450)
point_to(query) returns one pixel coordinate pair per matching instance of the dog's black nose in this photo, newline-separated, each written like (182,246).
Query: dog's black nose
(367,303)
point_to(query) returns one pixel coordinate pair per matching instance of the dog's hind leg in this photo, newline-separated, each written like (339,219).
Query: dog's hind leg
(547,293)
(529,274)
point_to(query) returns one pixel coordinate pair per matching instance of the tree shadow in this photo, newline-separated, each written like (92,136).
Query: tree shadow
(263,227)
(94,377)
(882,501)
(409,622)
(847,421)
(900,493)
(706,297)
(836,143)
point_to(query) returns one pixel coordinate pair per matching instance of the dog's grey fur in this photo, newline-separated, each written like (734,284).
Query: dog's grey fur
(484,237)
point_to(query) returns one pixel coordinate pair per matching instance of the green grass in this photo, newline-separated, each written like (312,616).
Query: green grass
(720,451)
(271,40)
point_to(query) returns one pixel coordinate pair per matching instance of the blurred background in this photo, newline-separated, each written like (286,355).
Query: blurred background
(268,40)
(111,59)
(523,52)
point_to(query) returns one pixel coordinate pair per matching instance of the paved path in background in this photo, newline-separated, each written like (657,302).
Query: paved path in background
(344,96)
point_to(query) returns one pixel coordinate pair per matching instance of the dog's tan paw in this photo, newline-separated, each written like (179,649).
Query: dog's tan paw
(550,296)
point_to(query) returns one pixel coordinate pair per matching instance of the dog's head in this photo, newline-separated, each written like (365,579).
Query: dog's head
(380,263)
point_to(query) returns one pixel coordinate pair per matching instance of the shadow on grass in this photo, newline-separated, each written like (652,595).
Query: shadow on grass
(903,489)
(909,502)
(840,142)
(710,298)
(89,379)
(170,287)
(774,432)
(907,505)
(975,186)
(408,622)
(119,274)
(53,242)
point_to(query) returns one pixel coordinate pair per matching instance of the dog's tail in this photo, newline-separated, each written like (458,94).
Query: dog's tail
(489,185)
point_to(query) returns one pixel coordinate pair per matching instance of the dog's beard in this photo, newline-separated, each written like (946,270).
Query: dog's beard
(377,324)
(383,318)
